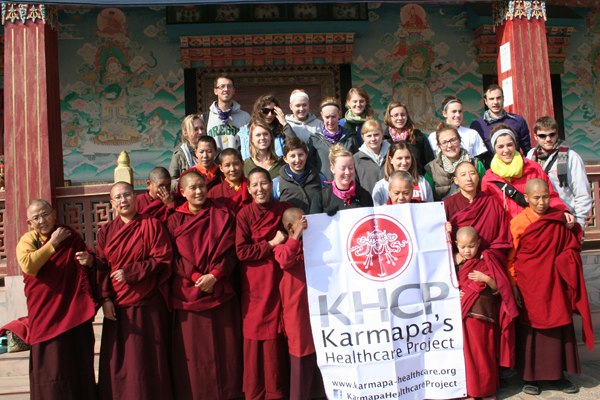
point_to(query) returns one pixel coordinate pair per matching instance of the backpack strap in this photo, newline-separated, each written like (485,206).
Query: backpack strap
(511,192)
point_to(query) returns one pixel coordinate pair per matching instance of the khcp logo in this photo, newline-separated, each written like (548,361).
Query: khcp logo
(379,247)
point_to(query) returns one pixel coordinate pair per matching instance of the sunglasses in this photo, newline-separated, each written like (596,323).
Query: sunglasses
(267,111)
(546,136)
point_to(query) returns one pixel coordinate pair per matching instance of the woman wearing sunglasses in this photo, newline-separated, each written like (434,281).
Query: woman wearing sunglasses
(267,111)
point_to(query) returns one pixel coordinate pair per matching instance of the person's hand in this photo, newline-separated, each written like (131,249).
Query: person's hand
(206,283)
(164,195)
(280,115)
(108,308)
(478,276)
(279,238)
(518,297)
(461,293)
(118,275)
(448,227)
(458,259)
(58,236)
(84,258)
(570,220)
(298,227)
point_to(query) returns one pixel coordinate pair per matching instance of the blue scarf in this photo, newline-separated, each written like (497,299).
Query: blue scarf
(301,178)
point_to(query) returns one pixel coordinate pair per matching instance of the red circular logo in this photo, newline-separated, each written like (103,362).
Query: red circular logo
(379,247)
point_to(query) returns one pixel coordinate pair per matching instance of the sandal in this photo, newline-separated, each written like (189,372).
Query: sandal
(531,388)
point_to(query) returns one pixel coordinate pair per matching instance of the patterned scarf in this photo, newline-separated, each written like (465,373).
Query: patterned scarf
(490,119)
(225,116)
(332,138)
(355,119)
(449,165)
(398,134)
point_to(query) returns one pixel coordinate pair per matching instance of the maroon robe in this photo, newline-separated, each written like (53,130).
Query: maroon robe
(260,300)
(154,207)
(134,359)
(479,335)
(209,368)
(550,275)
(489,219)
(224,193)
(61,308)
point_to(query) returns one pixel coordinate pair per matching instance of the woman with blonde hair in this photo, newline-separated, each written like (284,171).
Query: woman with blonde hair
(400,127)
(262,150)
(192,128)
(342,192)
(370,159)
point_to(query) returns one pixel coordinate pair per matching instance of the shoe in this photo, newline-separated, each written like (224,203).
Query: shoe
(531,388)
(566,386)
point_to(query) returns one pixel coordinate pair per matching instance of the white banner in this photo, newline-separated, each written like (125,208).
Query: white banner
(384,303)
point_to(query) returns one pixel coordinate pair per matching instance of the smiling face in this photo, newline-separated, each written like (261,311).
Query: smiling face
(296,159)
(343,172)
(194,190)
(494,100)
(232,168)
(268,113)
(505,148)
(206,153)
(357,104)
(300,108)
(400,191)
(449,144)
(546,139)
(401,160)
(399,117)
(260,138)
(373,140)
(466,178)
(41,218)
(224,90)
(259,187)
(331,118)
(122,199)
(454,114)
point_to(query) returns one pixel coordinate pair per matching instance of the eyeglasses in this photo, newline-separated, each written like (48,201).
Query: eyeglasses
(449,142)
(546,136)
(224,86)
(121,196)
(38,218)
(267,111)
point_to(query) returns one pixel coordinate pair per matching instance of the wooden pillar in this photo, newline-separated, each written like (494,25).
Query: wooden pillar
(32,130)
(523,65)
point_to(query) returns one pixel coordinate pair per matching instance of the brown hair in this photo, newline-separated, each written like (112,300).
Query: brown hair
(409,123)
(545,123)
(331,101)
(443,127)
(491,88)
(223,76)
(389,168)
(370,125)
(294,144)
(361,93)
(448,100)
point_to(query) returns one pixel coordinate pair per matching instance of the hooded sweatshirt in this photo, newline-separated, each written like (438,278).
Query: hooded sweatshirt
(370,166)
(225,134)
(304,129)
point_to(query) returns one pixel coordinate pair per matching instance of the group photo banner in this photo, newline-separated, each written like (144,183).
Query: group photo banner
(384,303)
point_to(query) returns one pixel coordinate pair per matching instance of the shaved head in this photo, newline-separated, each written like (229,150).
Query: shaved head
(122,184)
(467,232)
(536,184)
(39,204)
(290,216)
(185,178)
(158,173)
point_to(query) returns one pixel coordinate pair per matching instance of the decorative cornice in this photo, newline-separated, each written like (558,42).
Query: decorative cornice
(266,49)
(510,9)
(13,13)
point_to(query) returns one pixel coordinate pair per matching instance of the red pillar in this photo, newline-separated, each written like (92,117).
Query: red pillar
(523,65)
(32,130)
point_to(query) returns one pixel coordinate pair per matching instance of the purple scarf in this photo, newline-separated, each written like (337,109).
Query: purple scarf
(225,116)
(332,138)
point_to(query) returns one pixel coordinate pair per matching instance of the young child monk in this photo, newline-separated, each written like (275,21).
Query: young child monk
(158,200)
(479,305)
(546,266)
(206,153)
(305,377)
(234,189)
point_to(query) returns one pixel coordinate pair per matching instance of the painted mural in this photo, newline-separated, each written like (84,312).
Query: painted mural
(122,89)
(418,55)
(581,89)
